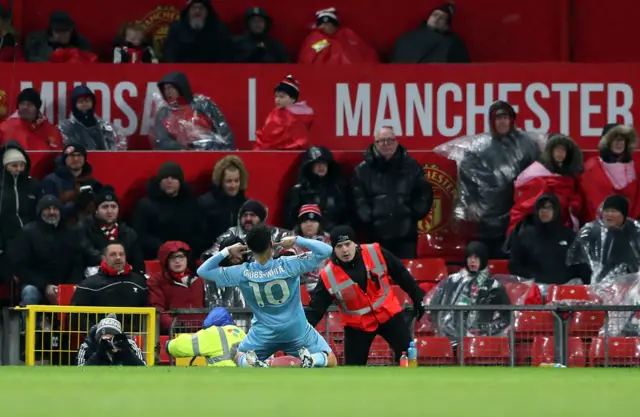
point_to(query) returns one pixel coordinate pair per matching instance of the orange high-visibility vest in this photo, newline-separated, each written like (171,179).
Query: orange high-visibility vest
(360,310)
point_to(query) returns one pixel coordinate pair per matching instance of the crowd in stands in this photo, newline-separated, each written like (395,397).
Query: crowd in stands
(200,36)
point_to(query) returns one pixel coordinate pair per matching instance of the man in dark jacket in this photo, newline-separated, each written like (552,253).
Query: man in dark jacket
(198,36)
(47,253)
(188,121)
(471,286)
(168,212)
(61,33)
(255,45)
(391,195)
(115,285)
(73,183)
(432,42)
(106,345)
(487,173)
(85,128)
(320,182)
(610,245)
(18,199)
(103,227)
(350,258)
(539,246)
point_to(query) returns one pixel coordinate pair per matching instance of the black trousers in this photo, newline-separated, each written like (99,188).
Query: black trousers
(358,342)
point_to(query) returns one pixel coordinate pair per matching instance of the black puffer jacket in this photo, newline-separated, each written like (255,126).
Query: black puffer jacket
(390,196)
(210,44)
(327,192)
(220,210)
(486,176)
(258,48)
(159,218)
(19,196)
(539,250)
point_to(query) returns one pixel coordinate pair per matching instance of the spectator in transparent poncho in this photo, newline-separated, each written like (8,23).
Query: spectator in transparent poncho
(310,226)
(187,121)
(488,165)
(83,127)
(473,285)
(226,296)
(621,290)
(610,245)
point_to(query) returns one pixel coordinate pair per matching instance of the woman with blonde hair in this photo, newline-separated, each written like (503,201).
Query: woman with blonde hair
(132,46)
(220,205)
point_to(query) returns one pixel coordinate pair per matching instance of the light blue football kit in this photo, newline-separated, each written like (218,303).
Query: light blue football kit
(272,292)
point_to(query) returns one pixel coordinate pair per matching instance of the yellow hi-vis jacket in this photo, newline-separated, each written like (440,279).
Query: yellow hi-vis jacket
(217,344)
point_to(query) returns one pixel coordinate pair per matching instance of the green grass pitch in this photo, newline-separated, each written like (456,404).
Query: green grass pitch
(352,392)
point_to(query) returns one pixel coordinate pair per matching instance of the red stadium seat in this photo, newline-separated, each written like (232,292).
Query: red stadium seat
(543,351)
(380,353)
(427,269)
(486,351)
(528,324)
(304,295)
(620,351)
(523,294)
(427,287)
(499,266)
(557,293)
(435,351)
(424,327)
(586,323)
(152,267)
(402,296)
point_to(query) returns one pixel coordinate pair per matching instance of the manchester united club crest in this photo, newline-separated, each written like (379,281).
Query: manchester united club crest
(156,25)
(444,190)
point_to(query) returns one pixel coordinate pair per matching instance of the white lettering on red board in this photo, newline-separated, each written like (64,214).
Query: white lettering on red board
(430,109)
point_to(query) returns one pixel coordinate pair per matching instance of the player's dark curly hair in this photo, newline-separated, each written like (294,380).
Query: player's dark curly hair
(259,238)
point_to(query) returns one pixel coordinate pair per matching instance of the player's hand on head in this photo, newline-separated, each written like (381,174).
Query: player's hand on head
(237,249)
(287,242)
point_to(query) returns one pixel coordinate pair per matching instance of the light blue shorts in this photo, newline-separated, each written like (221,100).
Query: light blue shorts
(312,340)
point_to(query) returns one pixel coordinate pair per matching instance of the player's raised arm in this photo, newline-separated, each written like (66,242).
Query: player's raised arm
(223,276)
(308,261)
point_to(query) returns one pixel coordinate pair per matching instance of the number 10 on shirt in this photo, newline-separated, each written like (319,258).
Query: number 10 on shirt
(267,290)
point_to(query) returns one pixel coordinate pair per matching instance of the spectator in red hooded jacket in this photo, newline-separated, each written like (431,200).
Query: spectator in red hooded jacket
(329,43)
(10,51)
(176,286)
(29,127)
(287,126)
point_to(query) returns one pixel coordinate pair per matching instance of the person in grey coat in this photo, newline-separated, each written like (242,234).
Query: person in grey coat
(187,121)
(61,33)
(87,129)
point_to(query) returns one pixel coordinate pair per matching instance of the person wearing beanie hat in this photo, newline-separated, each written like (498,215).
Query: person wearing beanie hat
(46,253)
(218,341)
(107,345)
(255,45)
(170,211)
(358,278)
(30,128)
(251,214)
(609,245)
(432,42)
(287,126)
(473,285)
(330,42)
(104,227)
(279,322)
(199,36)
(61,33)
(73,183)
(310,226)
(84,128)
(613,171)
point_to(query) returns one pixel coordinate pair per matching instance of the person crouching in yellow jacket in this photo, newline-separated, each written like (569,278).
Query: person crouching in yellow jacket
(218,340)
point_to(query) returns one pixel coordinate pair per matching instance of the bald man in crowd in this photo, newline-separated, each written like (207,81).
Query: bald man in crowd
(391,194)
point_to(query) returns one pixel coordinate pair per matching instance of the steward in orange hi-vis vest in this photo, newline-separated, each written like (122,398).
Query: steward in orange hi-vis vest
(358,278)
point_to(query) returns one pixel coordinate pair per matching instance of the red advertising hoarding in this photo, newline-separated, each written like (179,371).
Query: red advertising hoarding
(426,105)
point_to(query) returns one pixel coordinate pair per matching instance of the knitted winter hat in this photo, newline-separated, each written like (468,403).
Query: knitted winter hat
(289,86)
(309,212)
